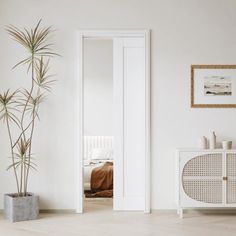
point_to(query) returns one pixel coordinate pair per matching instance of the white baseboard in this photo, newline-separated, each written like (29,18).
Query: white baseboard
(153,211)
(58,211)
(199,211)
(53,211)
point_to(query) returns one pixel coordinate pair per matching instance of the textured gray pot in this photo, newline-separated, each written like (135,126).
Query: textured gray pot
(21,208)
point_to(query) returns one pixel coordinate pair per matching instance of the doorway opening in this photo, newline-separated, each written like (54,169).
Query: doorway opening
(113,120)
(98,121)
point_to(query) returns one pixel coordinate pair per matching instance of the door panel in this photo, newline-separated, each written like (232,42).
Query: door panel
(231,174)
(202,178)
(129,123)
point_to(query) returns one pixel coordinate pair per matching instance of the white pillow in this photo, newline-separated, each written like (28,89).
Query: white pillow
(101,154)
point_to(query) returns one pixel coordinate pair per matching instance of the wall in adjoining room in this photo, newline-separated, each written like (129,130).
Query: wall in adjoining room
(98,73)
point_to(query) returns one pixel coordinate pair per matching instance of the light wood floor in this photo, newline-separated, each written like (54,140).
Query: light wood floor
(99,219)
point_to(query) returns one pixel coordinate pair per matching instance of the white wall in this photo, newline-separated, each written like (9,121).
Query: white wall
(184,32)
(98,73)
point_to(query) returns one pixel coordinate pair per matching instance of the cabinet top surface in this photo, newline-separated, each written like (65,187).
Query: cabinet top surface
(204,150)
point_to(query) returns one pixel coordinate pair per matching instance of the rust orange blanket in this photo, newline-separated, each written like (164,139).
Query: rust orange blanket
(102,181)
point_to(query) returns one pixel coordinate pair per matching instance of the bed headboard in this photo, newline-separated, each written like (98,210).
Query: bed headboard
(91,142)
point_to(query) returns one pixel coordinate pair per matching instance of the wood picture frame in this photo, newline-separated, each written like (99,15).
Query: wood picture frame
(213,86)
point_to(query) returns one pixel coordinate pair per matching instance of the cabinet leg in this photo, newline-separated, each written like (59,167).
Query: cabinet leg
(178,211)
(181,213)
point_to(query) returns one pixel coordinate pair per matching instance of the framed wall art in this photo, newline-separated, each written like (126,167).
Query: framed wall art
(213,86)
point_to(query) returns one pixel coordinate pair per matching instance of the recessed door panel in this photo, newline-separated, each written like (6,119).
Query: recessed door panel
(129,123)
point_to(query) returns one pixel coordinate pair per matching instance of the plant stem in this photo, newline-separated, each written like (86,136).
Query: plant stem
(30,144)
(12,153)
(23,166)
(26,168)
(30,147)
(21,134)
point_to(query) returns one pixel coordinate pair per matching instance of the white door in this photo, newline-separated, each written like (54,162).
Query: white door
(129,123)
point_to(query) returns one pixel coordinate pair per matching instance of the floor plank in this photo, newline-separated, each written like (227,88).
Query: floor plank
(99,219)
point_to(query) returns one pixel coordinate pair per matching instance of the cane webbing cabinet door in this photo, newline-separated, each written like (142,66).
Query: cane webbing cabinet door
(231,178)
(206,179)
(202,178)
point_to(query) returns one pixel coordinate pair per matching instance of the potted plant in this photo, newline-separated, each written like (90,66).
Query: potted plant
(19,111)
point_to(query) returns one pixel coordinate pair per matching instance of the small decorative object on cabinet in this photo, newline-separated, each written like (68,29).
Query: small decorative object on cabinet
(206,179)
(203,142)
(226,145)
(212,140)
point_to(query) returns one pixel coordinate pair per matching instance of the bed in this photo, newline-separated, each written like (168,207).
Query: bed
(98,163)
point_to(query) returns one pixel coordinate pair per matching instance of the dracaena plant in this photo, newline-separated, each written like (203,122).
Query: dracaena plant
(19,109)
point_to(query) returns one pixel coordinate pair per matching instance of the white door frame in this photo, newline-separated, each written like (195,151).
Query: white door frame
(105,34)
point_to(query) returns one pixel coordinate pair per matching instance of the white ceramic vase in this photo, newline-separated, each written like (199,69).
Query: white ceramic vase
(203,142)
(212,140)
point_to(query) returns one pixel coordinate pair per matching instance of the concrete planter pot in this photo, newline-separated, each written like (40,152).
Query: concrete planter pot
(21,208)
